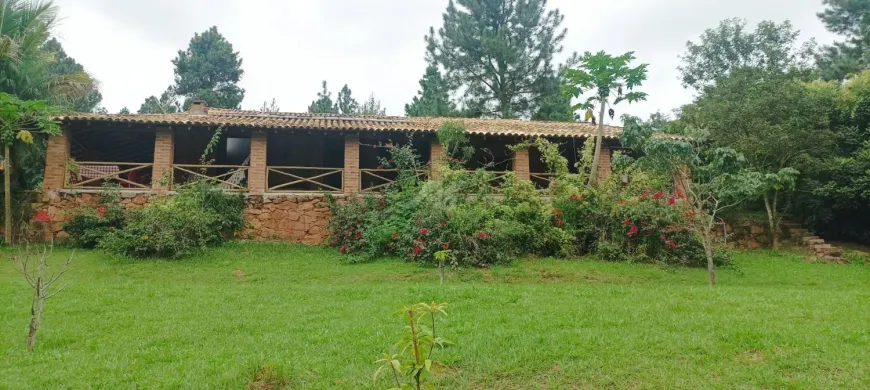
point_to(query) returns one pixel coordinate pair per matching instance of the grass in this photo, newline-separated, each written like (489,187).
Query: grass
(774,321)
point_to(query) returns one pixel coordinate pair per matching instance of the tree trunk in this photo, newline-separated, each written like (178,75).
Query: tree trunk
(599,138)
(7,192)
(36,311)
(708,250)
(770,206)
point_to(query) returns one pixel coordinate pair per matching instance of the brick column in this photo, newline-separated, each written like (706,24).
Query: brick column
(257,172)
(57,157)
(521,164)
(351,164)
(436,158)
(164,156)
(604,167)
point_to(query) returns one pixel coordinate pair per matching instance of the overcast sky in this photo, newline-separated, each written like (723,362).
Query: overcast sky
(290,46)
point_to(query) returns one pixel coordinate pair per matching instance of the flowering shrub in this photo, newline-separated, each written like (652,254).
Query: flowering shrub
(90,224)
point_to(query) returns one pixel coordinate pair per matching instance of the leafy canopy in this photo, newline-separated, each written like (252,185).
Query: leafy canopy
(772,48)
(433,97)
(497,53)
(209,70)
(604,75)
(850,19)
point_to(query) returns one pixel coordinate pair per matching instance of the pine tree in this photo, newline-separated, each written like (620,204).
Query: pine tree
(347,105)
(851,19)
(209,70)
(433,98)
(372,106)
(499,52)
(324,103)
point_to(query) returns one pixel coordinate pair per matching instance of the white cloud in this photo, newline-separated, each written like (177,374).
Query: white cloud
(377,46)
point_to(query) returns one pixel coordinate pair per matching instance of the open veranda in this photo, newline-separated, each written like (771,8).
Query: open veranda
(774,321)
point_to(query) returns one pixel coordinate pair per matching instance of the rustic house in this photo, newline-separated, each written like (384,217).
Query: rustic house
(285,162)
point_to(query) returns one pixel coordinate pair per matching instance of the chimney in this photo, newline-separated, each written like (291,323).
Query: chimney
(198,107)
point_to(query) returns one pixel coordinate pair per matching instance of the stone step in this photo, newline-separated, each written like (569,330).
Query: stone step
(835,259)
(820,247)
(831,251)
(808,238)
(799,232)
(815,241)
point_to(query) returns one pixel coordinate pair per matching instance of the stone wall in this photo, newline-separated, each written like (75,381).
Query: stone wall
(290,217)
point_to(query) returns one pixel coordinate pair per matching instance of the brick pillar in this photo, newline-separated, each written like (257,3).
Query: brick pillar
(604,167)
(436,158)
(521,164)
(257,172)
(164,156)
(351,164)
(56,159)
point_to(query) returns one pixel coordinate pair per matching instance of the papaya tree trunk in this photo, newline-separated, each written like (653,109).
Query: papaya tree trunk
(599,139)
(7,196)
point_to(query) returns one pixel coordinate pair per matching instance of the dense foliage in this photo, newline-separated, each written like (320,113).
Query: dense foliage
(476,220)
(850,19)
(433,97)
(89,224)
(505,76)
(175,226)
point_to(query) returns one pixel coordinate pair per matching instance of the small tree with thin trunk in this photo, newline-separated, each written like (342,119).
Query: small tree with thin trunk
(34,267)
(19,121)
(608,78)
(708,181)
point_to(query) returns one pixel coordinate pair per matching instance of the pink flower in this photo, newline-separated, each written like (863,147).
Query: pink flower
(672,200)
(627,222)
(632,231)
(343,249)
(659,195)
(671,244)
(380,166)
(417,250)
(101,212)
(424,231)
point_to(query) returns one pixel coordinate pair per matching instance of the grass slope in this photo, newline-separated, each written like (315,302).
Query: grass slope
(774,322)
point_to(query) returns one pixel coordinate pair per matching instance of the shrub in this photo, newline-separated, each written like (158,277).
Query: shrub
(90,224)
(176,226)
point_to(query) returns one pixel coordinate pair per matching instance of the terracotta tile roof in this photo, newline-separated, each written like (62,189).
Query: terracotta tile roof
(256,119)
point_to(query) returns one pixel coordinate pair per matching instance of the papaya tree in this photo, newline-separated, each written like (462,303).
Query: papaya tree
(20,120)
(610,80)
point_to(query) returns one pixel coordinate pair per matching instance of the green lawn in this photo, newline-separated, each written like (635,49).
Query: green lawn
(773,322)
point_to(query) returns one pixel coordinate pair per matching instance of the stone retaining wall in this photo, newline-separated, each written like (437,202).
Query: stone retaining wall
(290,217)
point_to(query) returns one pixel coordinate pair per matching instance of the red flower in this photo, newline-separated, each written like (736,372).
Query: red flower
(417,250)
(445,246)
(42,216)
(343,249)
(101,212)
(483,235)
(680,194)
(659,195)
(632,231)
(672,200)
(395,236)
(424,232)
(627,222)
(671,244)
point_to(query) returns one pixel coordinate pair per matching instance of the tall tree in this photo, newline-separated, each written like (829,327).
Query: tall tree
(19,120)
(851,19)
(167,103)
(776,123)
(433,97)
(323,104)
(347,105)
(25,65)
(372,106)
(209,70)
(771,48)
(64,65)
(609,79)
(498,52)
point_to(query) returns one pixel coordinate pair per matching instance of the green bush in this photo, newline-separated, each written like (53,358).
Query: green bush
(90,224)
(176,226)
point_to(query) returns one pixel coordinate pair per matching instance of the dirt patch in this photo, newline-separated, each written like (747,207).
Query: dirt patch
(268,378)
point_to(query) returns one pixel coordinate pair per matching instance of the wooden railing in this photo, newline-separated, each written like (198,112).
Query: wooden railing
(542,181)
(228,177)
(94,174)
(372,180)
(497,176)
(304,179)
